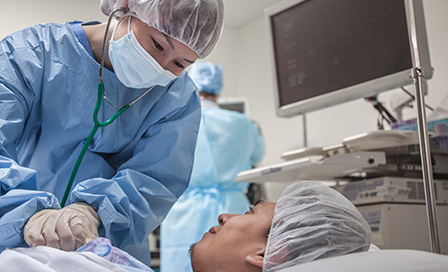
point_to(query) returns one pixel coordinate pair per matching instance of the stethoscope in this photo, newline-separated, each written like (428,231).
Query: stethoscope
(97,123)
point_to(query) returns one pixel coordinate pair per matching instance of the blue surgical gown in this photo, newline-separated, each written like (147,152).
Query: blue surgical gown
(134,169)
(228,143)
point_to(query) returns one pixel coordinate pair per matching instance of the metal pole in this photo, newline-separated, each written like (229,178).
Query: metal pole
(417,75)
(425,153)
(305,137)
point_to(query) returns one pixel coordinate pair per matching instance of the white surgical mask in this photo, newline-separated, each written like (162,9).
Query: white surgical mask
(135,67)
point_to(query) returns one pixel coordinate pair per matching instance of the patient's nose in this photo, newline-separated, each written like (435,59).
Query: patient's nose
(222,218)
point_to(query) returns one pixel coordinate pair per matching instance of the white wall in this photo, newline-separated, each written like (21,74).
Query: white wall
(251,68)
(20,14)
(224,54)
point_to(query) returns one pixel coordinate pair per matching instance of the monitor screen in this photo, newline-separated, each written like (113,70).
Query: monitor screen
(238,104)
(326,52)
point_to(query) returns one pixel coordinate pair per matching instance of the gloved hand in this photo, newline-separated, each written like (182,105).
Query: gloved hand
(67,229)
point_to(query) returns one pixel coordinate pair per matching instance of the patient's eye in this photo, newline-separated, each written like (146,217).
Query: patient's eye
(250,211)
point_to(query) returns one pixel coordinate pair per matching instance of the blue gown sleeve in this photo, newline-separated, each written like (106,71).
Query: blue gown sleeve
(19,199)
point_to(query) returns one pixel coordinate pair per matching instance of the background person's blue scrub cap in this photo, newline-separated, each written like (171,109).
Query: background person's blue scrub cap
(312,221)
(196,23)
(207,76)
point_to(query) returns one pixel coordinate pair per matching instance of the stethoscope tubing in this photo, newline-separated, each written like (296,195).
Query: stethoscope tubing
(96,126)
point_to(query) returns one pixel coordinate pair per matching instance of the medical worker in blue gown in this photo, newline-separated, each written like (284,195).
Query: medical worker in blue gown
(135,168)
(228,143)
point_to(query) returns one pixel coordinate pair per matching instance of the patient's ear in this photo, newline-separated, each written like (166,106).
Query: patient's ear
(256,258)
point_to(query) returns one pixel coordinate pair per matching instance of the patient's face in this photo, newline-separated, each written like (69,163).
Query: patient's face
(235,237)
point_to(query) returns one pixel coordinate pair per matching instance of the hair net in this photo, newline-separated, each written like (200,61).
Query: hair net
(195,23)
(312,221)
(207,76)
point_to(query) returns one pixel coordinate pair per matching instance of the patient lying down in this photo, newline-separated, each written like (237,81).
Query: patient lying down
(310,221)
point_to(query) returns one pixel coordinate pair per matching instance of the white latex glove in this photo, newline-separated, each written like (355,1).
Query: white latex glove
(67,229)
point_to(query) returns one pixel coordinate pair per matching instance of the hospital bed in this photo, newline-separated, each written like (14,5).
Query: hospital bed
(399,260)
(46,259)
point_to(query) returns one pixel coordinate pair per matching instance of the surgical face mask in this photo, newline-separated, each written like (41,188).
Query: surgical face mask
(135,67)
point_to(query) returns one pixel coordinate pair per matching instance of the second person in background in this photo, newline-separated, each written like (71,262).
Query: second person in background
(228,143)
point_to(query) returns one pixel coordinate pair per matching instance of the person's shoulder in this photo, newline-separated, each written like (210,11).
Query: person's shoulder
(182,92)
(229,114)
(235,114)
(184,84)
(35,40)
(38,33)
(39,28)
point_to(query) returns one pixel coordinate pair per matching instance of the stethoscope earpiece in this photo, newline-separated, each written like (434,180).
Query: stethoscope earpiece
(111,15)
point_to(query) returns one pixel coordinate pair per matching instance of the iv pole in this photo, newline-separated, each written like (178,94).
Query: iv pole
(305,134)
(417,74)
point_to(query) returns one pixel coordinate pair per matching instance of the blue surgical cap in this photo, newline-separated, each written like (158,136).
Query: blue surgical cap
(207,76)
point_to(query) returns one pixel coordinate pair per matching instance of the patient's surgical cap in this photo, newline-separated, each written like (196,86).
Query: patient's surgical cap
(312,221)
(207,76)
(196,23)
